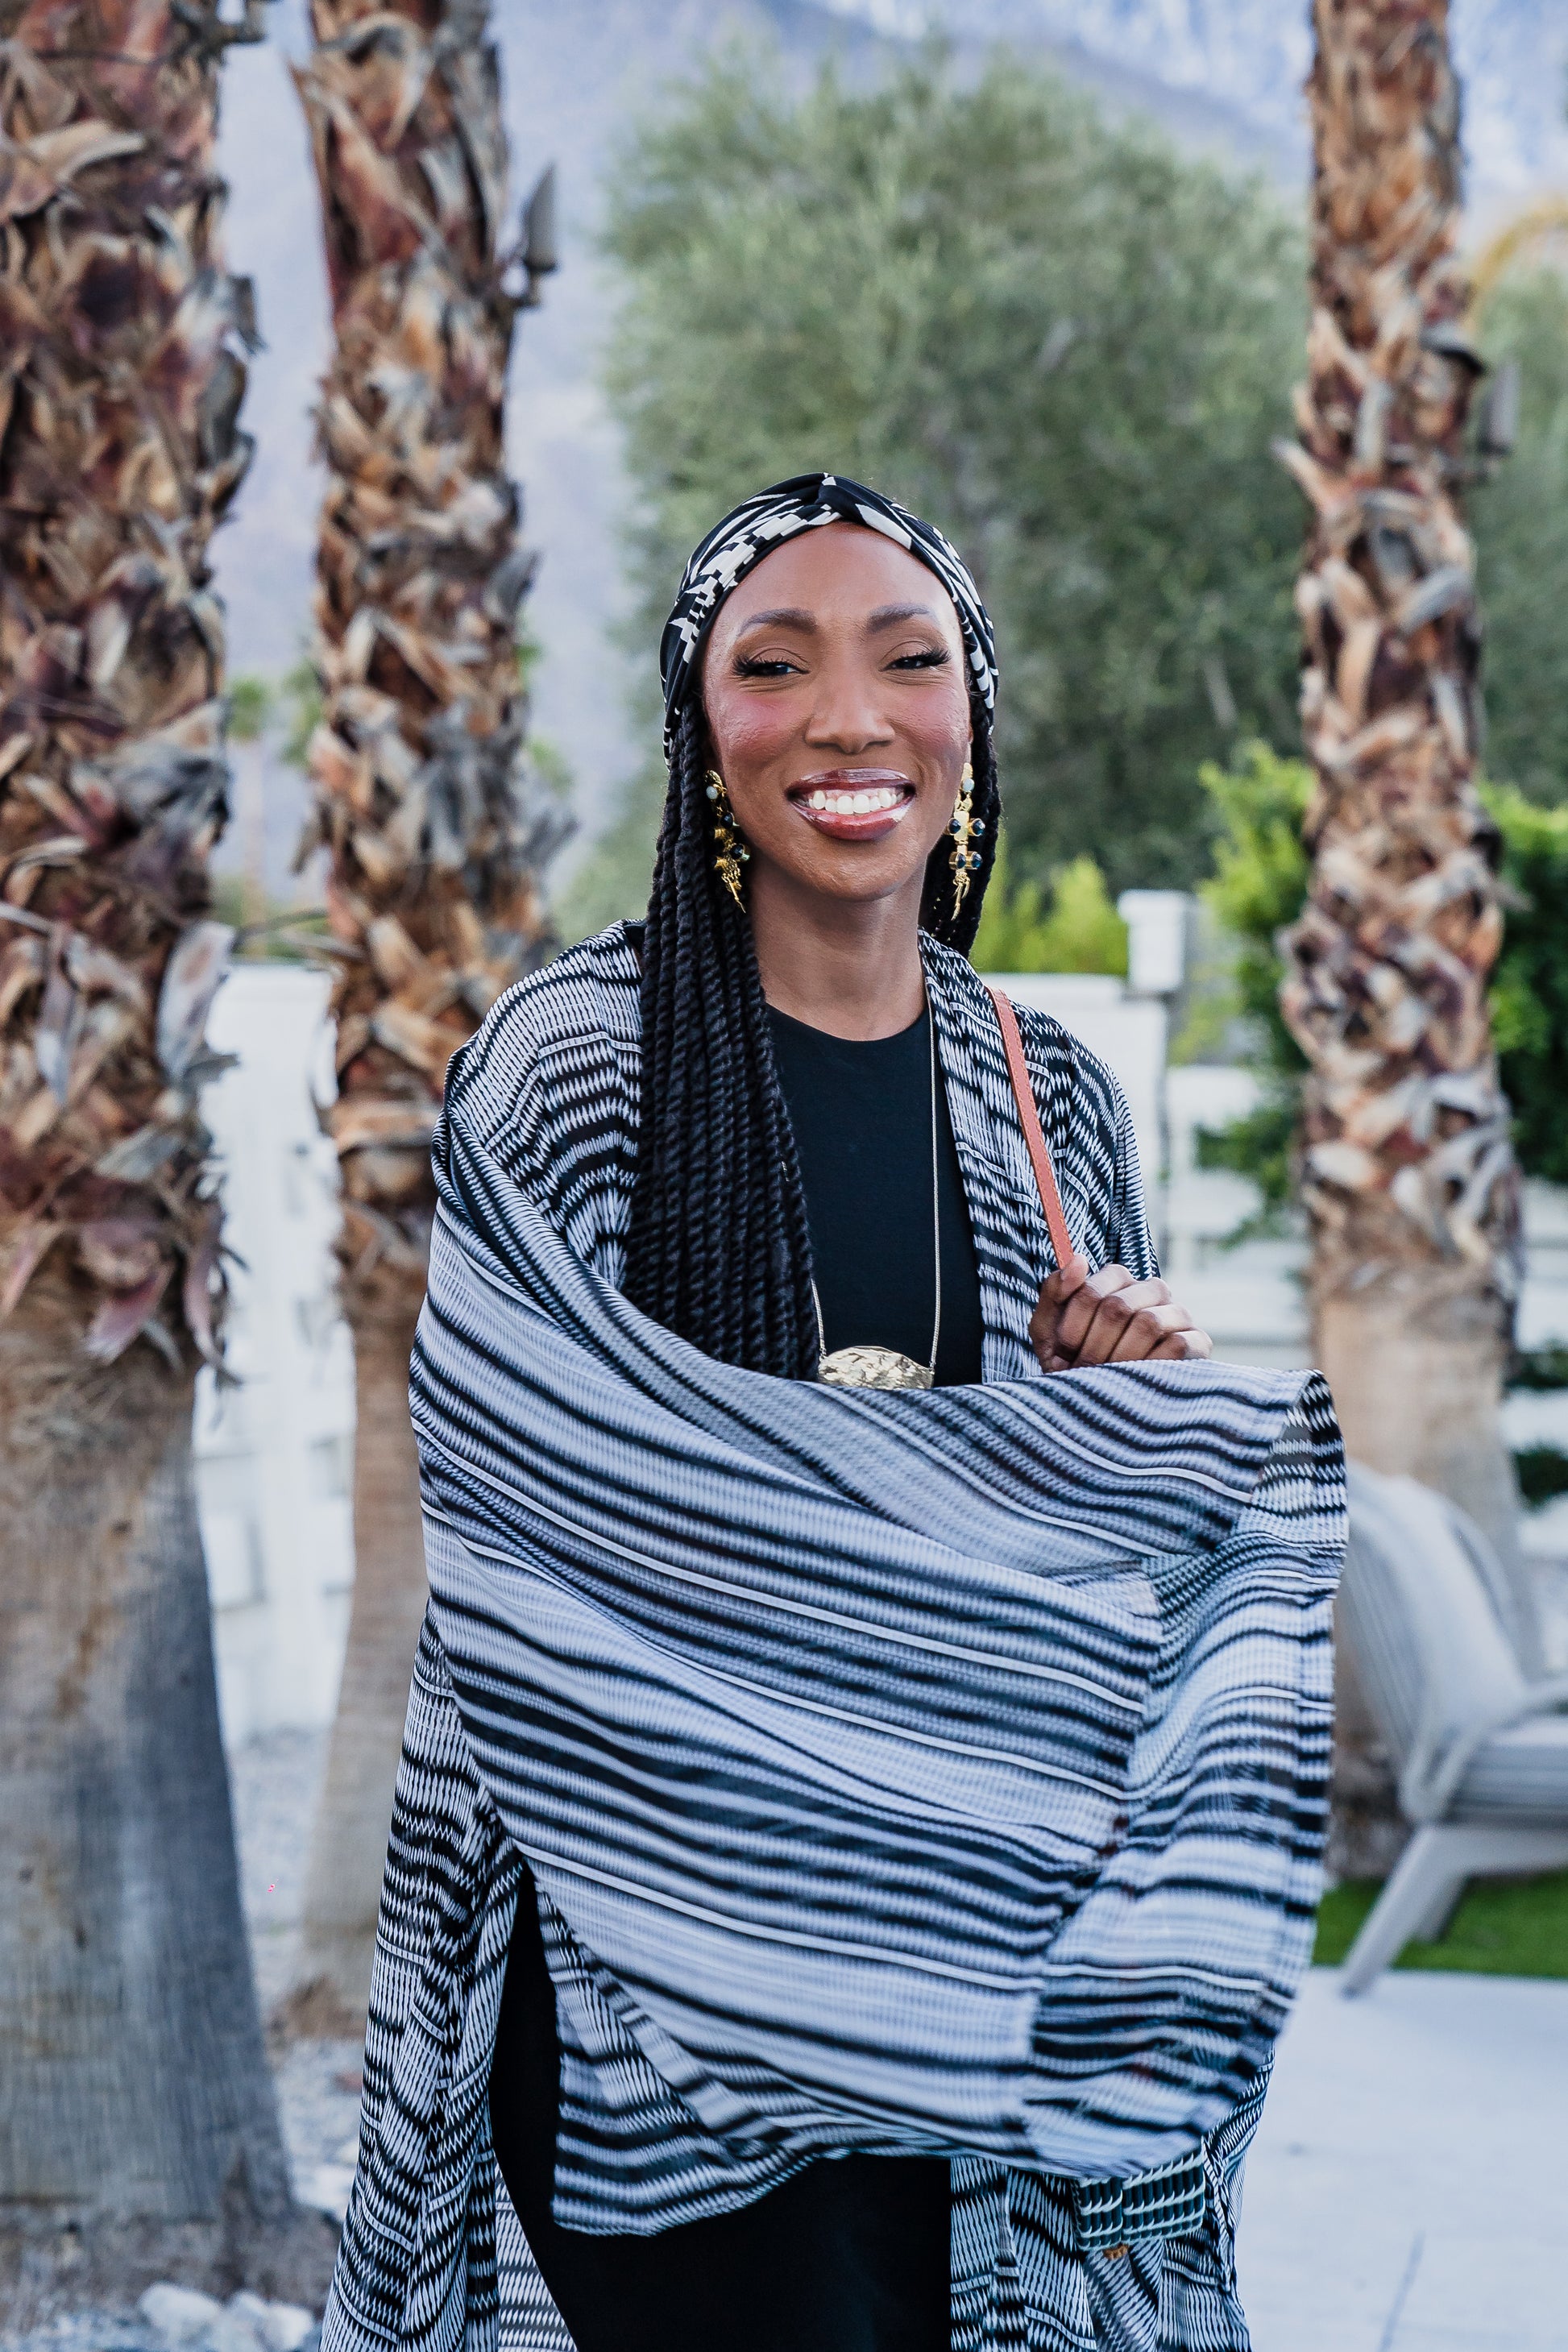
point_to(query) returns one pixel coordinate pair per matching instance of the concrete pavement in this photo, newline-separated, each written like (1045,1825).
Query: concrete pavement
(1408,2190)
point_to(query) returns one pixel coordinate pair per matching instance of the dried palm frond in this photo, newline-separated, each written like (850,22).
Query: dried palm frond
(1407,1166)
(434,828)
(121,371)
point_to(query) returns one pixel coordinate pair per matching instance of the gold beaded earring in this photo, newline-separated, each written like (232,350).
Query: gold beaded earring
(964,827)
(730,851)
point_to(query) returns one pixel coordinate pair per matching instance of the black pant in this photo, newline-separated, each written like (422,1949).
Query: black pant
(848,2255)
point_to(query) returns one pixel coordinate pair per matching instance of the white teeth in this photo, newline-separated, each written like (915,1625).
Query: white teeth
(865,803)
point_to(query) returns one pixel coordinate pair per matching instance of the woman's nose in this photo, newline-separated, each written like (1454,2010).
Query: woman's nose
(848,719)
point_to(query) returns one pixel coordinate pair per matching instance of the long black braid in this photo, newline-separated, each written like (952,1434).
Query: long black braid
(720,1250)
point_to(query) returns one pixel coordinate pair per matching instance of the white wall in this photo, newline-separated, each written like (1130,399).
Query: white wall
(1250,1298)
(1127,1032)
(274,1453)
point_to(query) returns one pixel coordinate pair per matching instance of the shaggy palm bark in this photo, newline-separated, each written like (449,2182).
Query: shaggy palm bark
(416,764)
(1408,1169)
(133,2087)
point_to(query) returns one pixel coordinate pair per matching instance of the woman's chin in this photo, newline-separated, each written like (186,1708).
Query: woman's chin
(846,871)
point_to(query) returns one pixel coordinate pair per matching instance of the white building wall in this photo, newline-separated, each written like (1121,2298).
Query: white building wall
(274,1452)
(1248,1297)
(1251,1299)
(1127,1032)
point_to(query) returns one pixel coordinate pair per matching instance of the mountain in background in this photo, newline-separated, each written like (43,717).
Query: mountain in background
(1220,76)
(1253,56)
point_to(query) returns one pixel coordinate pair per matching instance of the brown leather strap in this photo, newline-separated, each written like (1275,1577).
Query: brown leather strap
(1034,1134)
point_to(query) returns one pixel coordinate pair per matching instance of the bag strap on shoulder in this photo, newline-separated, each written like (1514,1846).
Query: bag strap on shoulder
(1034,1134)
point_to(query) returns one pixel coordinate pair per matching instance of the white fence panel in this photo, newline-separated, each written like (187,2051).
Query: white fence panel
(1127,1032)
(274,1454)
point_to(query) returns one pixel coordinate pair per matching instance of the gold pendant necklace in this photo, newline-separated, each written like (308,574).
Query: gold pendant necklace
(885,1368)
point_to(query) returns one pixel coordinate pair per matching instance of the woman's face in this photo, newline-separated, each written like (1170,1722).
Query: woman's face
(835,686)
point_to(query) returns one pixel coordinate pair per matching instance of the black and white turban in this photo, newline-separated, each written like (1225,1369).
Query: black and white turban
(738,544)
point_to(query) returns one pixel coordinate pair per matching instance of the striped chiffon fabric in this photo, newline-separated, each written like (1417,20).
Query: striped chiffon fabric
(936,1772)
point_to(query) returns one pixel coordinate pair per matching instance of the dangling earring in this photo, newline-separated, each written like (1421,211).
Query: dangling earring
(964,827)
(730,851)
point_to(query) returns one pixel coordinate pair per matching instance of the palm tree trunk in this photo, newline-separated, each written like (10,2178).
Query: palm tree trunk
(435,832)
(1408,1169)
(134,2079)
(133,2087)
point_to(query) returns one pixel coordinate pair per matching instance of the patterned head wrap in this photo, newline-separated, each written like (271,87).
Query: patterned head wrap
(738,544)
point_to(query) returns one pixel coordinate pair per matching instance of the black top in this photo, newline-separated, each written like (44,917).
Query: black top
(861,1114)
(851,2253)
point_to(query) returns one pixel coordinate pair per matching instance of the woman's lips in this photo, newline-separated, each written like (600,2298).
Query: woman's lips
(854,804)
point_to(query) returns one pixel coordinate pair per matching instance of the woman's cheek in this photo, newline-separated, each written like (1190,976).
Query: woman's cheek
(940,732)
(750,733)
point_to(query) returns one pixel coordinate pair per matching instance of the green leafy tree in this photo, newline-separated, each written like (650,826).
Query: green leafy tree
(1519,518)
(1257,887)
(1521,522)
(1079,931)
(1529,990)
(251,704)
(1259,883)
(1062,340)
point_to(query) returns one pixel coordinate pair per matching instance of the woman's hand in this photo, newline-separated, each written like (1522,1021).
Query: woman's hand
(1109,1319)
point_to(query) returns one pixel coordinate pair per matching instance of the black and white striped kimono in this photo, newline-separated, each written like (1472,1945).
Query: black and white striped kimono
(934,1772)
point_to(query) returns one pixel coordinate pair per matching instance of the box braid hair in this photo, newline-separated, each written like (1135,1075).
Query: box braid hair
(719,1249)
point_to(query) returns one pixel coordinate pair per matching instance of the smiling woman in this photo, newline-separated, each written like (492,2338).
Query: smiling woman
(827,645)
(847,713)
(860,1893)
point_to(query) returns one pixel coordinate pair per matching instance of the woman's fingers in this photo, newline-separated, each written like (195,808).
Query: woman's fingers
(1149,1329)
(1060,1284)
(1109,1317)
(1097,1315)
(1044,1324)
(1189,1347)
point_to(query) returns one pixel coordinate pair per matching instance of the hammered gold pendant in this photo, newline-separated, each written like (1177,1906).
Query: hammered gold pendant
(872,1368)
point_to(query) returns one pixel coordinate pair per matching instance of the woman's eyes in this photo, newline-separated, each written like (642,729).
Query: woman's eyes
(756,665)
(777,665)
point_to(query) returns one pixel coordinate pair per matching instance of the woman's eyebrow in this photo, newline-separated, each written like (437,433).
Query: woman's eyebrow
(783,616)
(796,617)
(889,617)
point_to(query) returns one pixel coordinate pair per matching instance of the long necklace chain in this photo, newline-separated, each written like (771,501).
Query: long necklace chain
(887,1367)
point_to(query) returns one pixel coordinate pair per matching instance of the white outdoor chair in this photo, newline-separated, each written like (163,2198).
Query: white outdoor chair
(1481,1752)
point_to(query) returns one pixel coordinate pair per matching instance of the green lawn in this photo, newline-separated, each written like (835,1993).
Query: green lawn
(1503,1927)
